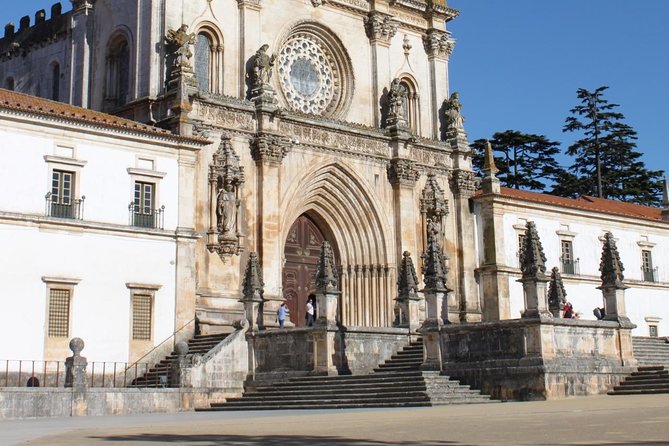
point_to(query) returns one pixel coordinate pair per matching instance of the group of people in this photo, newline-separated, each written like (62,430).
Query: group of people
(310,316)
(569,313)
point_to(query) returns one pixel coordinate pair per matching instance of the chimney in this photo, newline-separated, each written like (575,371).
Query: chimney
(24,23)
(56,10)
(9,30)
(40,16)
(665,200)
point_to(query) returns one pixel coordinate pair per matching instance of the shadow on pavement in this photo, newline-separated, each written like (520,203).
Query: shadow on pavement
(264,440)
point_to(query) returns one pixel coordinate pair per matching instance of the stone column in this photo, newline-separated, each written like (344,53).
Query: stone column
(403,175)
(380,28)
(75,377)
(534,279)
(268,151)
(613,288)
(407,295)
(83,23)
(325,328)
(438,46)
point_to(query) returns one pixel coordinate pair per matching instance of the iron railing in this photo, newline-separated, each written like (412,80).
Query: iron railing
(146,218)
(73,210)
(649,274)
(29,373)
(570,266)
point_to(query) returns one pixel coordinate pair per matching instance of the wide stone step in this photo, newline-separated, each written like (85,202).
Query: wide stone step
(650,391)
(361,395)
(338,405)
(357,390)
(362,399)
(340,385)
(625,386)
(348,378)
(650,373)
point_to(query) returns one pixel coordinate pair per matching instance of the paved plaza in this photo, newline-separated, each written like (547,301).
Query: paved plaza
(601,420)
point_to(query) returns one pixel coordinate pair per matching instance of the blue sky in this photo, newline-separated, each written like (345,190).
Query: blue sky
(518,63)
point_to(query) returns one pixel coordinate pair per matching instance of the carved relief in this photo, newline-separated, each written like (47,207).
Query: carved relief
(433,205)
(380,27)
(333,139)
(438,43)
(225,180)
(464,183)
(403,172)
(271,149)
(226,117)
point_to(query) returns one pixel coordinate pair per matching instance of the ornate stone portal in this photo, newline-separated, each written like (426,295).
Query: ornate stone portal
(225,180)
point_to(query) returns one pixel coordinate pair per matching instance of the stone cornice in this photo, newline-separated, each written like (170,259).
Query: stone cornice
(251,4)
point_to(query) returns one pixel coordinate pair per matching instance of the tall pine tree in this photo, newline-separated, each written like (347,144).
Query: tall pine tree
(525,161)
(606,163)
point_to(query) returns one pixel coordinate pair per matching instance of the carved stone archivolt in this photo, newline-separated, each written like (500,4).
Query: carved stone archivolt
(438,43)
(270,149)
(225,181)
(402,172)
(380,27)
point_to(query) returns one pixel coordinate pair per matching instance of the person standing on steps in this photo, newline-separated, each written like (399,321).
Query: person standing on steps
(311,308)
(281,314)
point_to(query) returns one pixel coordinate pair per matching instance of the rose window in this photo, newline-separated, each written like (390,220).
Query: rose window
(309,75)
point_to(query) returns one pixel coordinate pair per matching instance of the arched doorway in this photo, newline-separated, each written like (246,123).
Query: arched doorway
(301,253)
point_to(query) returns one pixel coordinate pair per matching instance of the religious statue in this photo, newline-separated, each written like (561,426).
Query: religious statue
(262,66)
(453,113)
(397,98)
(226,210)
(181,41)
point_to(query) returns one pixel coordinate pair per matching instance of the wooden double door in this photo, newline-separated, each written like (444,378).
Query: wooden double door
(301,253)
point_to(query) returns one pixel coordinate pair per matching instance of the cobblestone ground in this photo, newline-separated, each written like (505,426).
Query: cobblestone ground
(601,420)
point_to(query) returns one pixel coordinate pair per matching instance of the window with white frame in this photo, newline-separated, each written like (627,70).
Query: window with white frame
(144,210)
(567,258)
(647,265)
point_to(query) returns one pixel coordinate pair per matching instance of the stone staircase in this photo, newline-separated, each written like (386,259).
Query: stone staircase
(647,380)
(651,351)
(398,382)
(200,344)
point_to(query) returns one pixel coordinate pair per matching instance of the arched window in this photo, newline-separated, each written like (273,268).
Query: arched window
(208,60)
(412,104)
(55,81)
(9,83)
(117,75)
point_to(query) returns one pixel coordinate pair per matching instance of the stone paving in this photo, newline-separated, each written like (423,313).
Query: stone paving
(600,420)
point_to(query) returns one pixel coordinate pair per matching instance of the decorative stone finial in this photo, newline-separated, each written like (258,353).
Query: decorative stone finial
(77,346)
(665,193)
(532,257)
(610,266)
(557,296)
(434,260)
(254,286)
(407,283)
(326,273)
(489,167)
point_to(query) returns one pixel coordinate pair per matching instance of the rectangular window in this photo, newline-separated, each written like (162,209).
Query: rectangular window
(652,331)
(143,205)
(62,194)
(647,266)
(567,256)
(141,317)
(59,313)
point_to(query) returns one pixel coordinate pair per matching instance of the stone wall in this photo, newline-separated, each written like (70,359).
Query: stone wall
(537,359)
(280,354)
(21,403)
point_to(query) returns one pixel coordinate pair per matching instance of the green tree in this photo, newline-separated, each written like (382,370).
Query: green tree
(525,161)
(606,162)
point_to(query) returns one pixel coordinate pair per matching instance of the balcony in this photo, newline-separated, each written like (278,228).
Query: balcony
(142,217)
(649,274)
(570,266)
(72,210)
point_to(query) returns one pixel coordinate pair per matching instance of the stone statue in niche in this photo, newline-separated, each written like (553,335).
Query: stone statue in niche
(227,206)
(262,66)
(397,105)
(453,113)
(226,178)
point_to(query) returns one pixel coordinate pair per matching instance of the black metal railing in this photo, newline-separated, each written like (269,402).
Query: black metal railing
(649,274)
(146,218)
(56,208)
(570,266)
(29,373)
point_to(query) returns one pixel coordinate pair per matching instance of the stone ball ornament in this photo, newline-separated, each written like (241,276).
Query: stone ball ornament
(77,346)
(181,348)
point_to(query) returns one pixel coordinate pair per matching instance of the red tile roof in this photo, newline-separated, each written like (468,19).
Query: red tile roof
(587,203)
(11,100)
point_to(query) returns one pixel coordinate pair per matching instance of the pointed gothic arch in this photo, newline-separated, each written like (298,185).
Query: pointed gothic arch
(339,201)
